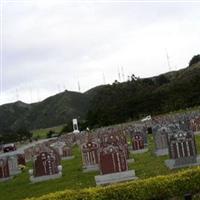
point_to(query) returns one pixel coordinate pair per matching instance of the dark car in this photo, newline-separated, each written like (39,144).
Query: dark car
(9,147)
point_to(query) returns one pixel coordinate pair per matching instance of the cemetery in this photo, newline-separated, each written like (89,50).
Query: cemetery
(100,157)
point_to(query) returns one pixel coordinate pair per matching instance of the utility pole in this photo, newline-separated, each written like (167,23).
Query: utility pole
(168,60)
(79,87)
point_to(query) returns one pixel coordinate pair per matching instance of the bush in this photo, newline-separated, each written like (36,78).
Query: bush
(161,187)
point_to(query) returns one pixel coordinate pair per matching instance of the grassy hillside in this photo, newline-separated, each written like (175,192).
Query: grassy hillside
(42,132)
(109,104)
(146,165)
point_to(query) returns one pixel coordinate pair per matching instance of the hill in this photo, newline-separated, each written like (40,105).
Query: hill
(108,104)
(55,110)
(130,100)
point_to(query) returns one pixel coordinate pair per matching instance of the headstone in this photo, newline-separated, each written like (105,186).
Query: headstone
(90,156)
(182,150)
(195,125)
(114,138)
(4,169)
(112,159)
(161,142)
(113,166)
(13,165)
(46,166)
(64,151)
(21,159)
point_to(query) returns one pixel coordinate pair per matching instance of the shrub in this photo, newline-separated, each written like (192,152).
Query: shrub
(160,187)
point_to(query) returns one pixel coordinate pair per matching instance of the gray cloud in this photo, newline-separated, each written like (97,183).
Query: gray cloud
(50,45)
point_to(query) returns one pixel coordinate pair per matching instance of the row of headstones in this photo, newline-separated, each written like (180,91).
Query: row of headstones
(108,152)
(189,121)
(46,159)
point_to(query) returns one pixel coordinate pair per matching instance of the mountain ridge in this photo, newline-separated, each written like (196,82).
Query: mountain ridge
(61,108)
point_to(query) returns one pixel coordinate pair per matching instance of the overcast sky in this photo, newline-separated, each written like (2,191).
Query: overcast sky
(48,46)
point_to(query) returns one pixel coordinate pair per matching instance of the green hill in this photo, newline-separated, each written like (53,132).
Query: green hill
(130,100)
(55,110)
(108,104)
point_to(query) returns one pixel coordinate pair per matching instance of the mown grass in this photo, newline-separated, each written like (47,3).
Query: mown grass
(42,133)
(146,165)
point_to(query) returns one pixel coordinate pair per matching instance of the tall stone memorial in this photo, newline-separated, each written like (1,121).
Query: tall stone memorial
(75,126)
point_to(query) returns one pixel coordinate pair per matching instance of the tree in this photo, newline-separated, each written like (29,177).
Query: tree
(50,134)
(67,128)
(195,59)
(23,134)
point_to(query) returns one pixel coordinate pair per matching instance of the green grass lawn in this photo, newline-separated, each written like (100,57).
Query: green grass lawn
(42,133)
(146,165)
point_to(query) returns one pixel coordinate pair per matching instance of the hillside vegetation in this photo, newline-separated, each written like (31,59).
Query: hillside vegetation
(53,111)
(130,100)
(109,104)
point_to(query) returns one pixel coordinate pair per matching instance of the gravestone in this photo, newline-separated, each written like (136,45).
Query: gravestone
(4,169)
(13,165)
(112,159)
(90,156)
(28,152)
(115,138)
(138,145)
(161,141)
(182,150)
(64,151)
(21,159)
(113,166)
(142,129)
(195,125)
(67,153)
(46,166)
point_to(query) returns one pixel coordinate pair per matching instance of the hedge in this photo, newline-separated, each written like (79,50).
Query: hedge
(160,187)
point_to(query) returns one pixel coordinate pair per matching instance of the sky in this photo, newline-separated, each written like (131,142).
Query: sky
(48,46)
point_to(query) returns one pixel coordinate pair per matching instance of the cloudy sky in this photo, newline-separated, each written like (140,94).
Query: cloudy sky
(48,46)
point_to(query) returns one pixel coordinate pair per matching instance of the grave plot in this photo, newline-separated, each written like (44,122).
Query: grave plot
(28,152)
(195,125)
(138,143)
(113,166)
(182,150)
(161,141)
(64,151)
(46,165)
(21,159)
(115,138)
(90,156)
(4,169)
(13,165)
(69,139)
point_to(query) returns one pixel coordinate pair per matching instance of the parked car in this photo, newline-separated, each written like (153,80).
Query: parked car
(9,147)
